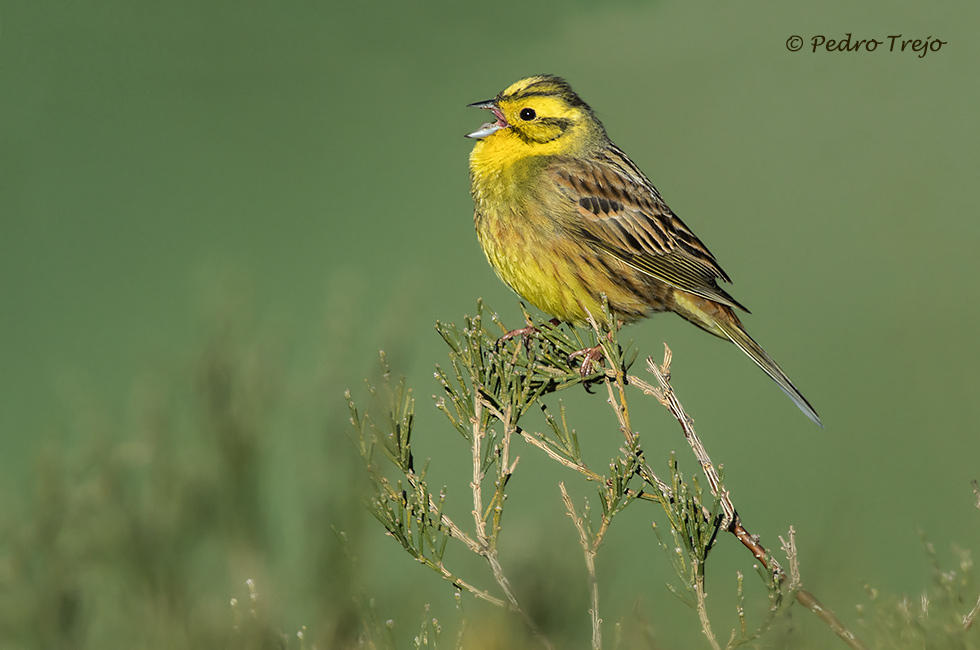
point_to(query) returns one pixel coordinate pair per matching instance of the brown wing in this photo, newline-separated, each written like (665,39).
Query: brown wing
(620,212)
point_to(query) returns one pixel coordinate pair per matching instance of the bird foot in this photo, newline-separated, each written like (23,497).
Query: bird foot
(592,359)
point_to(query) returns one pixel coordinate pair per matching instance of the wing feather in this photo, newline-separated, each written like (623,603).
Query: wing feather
(619,212)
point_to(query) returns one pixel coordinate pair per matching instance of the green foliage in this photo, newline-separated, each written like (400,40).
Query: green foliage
(407,510)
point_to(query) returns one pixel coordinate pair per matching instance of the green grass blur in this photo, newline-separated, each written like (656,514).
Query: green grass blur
(282,191)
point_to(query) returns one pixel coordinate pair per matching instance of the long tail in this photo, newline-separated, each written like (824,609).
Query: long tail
(733,330)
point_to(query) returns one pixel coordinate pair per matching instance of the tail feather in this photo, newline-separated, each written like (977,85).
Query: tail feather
(747,344)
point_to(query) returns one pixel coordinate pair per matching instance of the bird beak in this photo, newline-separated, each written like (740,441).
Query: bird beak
(490,127)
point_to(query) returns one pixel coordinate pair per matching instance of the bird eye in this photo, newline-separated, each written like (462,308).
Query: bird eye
(528,114)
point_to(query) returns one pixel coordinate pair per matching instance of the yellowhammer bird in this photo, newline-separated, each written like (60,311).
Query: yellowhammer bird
(565,216)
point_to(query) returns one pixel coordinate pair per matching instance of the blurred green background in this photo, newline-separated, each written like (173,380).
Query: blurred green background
(292,178)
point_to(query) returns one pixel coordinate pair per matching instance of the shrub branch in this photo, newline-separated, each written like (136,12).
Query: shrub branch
(491,383)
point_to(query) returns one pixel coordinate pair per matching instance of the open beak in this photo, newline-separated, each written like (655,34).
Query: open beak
(490,127)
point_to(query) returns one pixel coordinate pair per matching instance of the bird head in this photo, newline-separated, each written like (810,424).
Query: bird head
(537,116)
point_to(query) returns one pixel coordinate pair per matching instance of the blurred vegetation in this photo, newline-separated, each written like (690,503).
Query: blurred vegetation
(145,145)
(141,534)
(320,147)
(177,528)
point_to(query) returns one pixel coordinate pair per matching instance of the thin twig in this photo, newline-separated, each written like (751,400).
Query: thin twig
(536,440)
(554,455)
(810,601)
(788,547)
(619,407)
(487,546)
(732,521)
(622,415)
(589,549)
(462,584)
(476,485)
(702,608)
(669,399)
(972,616)
(454,530)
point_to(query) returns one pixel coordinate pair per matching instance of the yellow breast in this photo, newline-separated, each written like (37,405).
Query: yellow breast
(529,250)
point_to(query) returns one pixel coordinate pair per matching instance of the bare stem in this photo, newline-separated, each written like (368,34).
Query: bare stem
(732,522)
(581,468)
(702,608)
(487,545)
(810,601)
(622,415)
(669,399)
(578,467)
(589,549)
(454,530)
(462,584)
(972,616)
(476,485)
